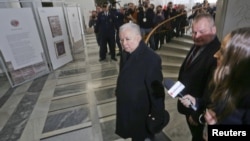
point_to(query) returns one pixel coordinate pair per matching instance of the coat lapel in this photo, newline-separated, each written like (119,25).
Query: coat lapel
(133,57)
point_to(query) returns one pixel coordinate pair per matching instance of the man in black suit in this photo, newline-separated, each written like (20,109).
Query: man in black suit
(140,76)
(197,71)
(105,25)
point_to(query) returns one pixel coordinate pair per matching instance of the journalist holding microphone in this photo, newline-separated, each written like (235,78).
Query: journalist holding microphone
(196,72)
(229,102)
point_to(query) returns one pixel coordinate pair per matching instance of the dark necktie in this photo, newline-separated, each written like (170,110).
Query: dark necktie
(192,55)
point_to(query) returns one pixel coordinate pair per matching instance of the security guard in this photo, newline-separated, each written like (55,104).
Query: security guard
(106,28)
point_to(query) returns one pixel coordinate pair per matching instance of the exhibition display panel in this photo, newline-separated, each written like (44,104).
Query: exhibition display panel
(55,30)
(36,40)
(22,52)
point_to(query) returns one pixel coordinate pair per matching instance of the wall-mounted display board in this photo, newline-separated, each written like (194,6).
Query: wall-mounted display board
(74,23)
(21,46)
(57,39)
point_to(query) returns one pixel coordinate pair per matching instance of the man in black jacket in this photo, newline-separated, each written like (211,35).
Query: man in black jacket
(145,20)
(197,71)
(105,26)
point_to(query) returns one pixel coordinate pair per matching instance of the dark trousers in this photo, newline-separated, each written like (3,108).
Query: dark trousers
(148,139)
(110,41)
(117,39)
(169,35)
(159,39)
(98,38)
(196,131)
(144,33)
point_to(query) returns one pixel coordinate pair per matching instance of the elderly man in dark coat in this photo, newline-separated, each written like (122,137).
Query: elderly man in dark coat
(140,76)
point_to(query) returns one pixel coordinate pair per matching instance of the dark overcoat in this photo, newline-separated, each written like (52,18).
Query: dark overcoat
(134,84)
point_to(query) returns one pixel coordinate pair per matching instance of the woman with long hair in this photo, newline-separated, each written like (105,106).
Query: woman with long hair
(230,100)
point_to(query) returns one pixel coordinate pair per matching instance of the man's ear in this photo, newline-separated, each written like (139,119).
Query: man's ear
(138,38)
(214,29)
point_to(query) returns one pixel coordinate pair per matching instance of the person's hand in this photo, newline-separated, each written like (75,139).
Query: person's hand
(130,17)
(191,121)
(210,117)
(205,136)
(187,100)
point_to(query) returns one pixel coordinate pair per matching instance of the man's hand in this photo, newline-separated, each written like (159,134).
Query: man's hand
(188,100)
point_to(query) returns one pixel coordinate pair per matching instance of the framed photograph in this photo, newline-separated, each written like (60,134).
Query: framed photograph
(55,26)
(60,49)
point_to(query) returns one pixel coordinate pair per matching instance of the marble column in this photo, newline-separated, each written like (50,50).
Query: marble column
(230,15)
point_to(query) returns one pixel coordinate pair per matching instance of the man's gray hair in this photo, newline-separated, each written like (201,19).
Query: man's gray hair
(132,27)
(206,16)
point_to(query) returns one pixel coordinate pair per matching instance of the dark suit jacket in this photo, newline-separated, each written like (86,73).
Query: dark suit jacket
(149,15)
(197,76)
(105,25)
(134,84)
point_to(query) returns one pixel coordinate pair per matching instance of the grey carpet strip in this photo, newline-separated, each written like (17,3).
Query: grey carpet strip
(37,84)
(14,127)
(6,96)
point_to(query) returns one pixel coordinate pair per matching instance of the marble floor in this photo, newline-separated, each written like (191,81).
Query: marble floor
(73,103)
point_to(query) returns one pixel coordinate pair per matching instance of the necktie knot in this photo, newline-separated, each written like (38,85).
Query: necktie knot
(192,55)
(195,51)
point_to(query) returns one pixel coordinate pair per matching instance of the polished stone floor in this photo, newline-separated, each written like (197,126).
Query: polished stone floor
(73,103)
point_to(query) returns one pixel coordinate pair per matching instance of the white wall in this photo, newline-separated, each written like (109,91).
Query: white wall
(86,6)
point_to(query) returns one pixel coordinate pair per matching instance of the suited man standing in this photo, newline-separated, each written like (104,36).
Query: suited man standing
(106,27)
(197,70)
(140,76)
(145,19)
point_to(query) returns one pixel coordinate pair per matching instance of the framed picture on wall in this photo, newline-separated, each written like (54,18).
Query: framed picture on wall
(55,26)
(60,49)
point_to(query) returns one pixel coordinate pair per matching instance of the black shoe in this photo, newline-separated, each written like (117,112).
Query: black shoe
(118,54)
(114,59)
(102,59)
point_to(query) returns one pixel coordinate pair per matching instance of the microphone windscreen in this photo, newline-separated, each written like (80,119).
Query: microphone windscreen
(168,83)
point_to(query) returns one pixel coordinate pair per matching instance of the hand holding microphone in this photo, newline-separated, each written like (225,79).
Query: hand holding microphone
(187,100)
(174,89)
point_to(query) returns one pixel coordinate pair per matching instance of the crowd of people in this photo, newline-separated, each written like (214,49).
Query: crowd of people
(208,71)
(146,15)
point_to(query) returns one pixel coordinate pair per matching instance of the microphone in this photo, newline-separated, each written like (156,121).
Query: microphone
(174,90)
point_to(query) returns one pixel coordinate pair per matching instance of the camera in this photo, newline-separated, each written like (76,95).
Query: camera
(128,12)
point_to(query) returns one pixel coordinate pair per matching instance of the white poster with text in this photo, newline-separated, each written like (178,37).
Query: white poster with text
(74,23)
(19,38)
